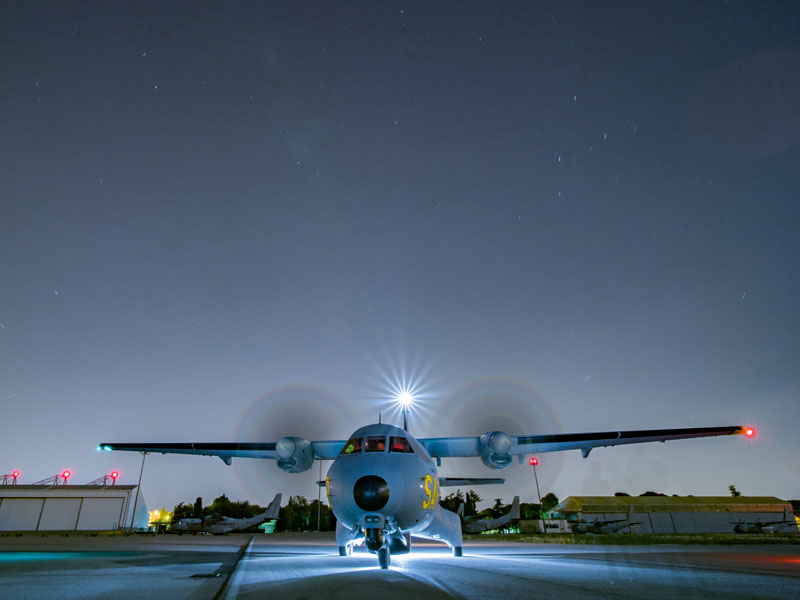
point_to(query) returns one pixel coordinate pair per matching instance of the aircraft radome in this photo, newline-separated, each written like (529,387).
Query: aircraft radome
(383,485)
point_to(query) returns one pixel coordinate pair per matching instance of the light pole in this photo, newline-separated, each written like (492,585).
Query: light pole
(533,461)
(319,495)
(138,487)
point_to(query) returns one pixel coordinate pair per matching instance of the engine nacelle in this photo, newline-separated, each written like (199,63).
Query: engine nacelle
(295,454)
(495,447)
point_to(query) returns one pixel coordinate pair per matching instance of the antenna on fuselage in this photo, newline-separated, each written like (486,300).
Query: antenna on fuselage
(405,399)
(379,417)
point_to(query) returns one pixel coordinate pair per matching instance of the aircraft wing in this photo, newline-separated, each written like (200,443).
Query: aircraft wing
(224,450)
(465,481)
(534,444)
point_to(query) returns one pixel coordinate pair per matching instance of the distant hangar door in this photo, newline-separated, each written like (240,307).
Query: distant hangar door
(20,514)
(101,513)
(60,514)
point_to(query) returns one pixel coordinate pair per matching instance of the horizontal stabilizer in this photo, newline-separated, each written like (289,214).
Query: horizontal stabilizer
(453,481)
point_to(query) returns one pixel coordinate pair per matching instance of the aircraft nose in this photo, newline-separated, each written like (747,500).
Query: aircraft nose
(371,492)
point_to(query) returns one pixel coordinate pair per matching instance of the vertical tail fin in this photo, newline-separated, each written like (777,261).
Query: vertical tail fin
(514,514)
(460,511)
(274,507)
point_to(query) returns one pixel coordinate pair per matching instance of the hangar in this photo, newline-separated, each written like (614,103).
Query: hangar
(71,508)
(682,514)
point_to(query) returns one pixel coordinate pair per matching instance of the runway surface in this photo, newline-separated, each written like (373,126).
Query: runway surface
(308,566)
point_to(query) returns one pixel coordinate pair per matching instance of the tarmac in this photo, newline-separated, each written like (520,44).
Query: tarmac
(307,566)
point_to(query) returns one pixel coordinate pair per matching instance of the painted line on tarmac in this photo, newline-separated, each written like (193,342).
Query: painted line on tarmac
(227,592)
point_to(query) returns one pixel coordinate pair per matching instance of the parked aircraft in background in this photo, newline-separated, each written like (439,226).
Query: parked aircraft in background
(477,525)
(760,526)
(219,524)
(603,526)
(383,485)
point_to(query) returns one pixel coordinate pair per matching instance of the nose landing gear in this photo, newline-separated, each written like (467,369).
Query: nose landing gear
(384,557)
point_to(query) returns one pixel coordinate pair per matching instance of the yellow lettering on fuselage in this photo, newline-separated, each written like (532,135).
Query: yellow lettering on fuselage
(431,492)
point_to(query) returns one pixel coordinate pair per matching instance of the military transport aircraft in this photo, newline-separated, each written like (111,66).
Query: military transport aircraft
(760,526)
(219,524)
(477,525)
(383,484)
(603,526)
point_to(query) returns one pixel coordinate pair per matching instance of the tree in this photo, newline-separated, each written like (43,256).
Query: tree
(734,492)
(198,508)
(649,493)
(621,494)
(237,510)
(549,502)
(471,503)
(452,501)
(530,510)
(182,511)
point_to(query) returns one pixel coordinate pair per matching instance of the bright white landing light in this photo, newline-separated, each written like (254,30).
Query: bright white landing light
(405,399)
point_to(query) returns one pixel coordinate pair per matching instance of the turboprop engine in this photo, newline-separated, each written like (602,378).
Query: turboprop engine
(295,454)
(495,446)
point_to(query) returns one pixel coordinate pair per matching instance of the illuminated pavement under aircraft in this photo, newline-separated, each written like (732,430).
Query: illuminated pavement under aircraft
(383,484)
(306,566)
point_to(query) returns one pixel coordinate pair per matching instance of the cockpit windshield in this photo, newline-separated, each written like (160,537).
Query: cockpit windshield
(400,444)
(376,443)
(353,446)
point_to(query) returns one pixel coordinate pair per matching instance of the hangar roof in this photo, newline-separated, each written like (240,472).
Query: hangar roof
(28,488)
(606,504)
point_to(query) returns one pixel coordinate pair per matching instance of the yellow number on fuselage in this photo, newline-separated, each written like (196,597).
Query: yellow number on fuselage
(431,492)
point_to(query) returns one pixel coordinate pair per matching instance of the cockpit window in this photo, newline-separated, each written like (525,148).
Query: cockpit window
(376,443)
(400,444)
(353,446)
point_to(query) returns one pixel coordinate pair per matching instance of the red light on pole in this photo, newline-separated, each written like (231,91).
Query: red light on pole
(114,475)
(750,432)
(533,461)
(15,474)
(66,475)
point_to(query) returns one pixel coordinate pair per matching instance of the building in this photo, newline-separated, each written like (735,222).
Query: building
(682,514)
(71,508)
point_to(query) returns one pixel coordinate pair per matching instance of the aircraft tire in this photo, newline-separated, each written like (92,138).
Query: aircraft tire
(345,550)
(456,550)
(384,558)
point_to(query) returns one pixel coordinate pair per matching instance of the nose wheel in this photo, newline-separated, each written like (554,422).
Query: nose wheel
(384,558)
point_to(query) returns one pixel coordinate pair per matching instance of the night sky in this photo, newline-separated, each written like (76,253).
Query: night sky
(241,221)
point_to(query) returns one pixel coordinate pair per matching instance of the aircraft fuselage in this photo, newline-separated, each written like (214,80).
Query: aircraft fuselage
(383,486)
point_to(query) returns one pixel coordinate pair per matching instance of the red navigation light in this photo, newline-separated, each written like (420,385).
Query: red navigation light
(533,461)
(66,475)
(750,432)
(114,474)
(15,474)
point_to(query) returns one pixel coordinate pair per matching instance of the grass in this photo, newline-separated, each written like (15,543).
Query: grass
(714,539)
